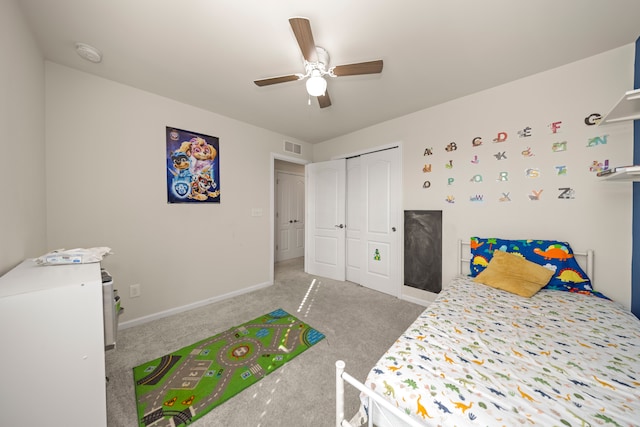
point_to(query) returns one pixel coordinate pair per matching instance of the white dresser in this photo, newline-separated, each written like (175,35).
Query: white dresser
(52,364)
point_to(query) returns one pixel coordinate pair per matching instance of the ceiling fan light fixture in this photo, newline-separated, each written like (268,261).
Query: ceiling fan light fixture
(316,65)
(316,85)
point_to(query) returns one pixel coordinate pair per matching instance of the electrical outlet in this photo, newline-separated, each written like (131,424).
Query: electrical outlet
(135,290)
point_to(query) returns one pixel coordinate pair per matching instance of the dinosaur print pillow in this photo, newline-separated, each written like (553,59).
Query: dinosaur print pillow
(554,255)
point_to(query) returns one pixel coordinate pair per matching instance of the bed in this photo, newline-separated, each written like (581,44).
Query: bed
(481,355)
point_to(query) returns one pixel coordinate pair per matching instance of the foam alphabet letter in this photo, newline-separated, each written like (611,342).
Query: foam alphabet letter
(532,172)
(566,193)
(502,137)
(536,195)
(559,146)
(524,132)
(595,141)
(592,119)
(555,126)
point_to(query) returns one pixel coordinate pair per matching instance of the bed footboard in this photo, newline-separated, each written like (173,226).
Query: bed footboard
(376,404)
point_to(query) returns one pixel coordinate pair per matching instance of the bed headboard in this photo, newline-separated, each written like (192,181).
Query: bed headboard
(585,259)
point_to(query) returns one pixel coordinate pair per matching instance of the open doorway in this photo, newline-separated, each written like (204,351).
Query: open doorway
(287,211)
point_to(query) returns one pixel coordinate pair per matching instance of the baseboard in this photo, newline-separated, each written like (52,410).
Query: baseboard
(416,300)
(176,310)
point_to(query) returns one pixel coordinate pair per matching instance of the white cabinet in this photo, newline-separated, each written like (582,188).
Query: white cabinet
(52,369)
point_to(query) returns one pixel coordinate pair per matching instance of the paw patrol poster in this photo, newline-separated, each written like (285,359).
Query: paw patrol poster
(193,167)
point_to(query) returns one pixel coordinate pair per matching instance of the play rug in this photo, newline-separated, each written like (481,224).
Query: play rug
(183,386)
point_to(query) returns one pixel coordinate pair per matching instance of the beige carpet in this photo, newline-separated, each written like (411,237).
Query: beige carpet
(359,324)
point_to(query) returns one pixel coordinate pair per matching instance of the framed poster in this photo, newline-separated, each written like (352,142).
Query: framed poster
(193,167)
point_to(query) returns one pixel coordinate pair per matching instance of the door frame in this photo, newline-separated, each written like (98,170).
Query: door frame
(272,206)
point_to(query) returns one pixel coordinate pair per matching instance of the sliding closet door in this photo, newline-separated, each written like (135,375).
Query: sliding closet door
(380,190)
(365,248)
(325,224)
(355,220)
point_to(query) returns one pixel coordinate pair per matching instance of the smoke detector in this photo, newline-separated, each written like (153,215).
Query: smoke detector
(88,52)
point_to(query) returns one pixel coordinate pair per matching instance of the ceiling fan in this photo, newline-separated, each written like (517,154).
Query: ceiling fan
(316,62)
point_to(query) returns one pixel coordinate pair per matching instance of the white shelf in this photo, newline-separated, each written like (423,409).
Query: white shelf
(631,173)
(627,108)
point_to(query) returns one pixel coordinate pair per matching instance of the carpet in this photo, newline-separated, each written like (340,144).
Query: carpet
(181,387)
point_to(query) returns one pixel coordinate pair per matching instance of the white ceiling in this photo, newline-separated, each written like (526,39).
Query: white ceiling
(207,53)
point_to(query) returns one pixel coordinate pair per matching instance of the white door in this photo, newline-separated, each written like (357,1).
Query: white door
(325,221)
(355,220)
(381,249)
(289,216)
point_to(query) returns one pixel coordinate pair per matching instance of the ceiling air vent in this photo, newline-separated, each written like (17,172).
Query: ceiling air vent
(291,147)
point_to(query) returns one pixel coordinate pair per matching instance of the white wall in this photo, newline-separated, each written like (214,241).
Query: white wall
(23,209)
(599,217)
(107,187)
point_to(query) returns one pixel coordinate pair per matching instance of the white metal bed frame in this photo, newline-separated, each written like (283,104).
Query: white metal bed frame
(376,401)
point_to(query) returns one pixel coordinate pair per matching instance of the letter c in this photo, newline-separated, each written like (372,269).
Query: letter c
(592,119)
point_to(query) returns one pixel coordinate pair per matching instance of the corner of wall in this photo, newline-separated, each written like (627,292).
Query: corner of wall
(635,256)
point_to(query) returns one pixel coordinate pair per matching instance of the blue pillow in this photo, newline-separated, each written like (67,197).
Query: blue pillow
(552,254)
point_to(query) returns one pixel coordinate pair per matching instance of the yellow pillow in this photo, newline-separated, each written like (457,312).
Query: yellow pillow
(513,273)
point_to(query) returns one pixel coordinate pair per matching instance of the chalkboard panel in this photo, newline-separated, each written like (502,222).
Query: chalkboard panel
(423,250)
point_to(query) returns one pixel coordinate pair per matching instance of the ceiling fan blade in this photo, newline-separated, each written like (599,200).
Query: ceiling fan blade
(324,100)
(302,30)
(274,80)
(371,67)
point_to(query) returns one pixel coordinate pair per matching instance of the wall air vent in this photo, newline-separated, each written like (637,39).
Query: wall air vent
(292,147)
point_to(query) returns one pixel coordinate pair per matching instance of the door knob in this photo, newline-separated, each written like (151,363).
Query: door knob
(340,226)
(393,229)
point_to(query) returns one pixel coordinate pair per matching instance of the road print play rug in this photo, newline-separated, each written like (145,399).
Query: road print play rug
(181,387)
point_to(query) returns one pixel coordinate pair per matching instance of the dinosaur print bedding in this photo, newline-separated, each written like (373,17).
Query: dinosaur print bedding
(486,357)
